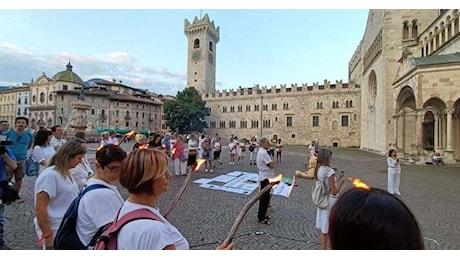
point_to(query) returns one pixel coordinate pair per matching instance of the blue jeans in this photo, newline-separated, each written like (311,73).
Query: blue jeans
(2,220)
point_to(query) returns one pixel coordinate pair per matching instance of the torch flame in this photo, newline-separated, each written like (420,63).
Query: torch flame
(100,147)
(276,179)
(130,133)
(144,146)
(199,162)
(359,184)
(173,151)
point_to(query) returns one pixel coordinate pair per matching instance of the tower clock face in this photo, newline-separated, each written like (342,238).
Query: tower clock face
(211,58)
(196,55)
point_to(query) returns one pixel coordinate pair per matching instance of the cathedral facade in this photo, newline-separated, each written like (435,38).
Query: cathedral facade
(296,114)
(408,68)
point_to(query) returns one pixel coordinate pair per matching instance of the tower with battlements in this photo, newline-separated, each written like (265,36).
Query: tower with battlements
(203,37)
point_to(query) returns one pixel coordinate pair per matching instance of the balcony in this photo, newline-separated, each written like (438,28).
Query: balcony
(103,117)
(127,117)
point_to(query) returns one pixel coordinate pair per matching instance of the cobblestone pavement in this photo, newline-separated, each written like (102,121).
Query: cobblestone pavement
(205,216)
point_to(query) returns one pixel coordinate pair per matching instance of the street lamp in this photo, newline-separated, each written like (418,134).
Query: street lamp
(261,111)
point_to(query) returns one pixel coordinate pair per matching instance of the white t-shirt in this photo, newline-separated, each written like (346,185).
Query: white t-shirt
(263,158)
(61,190)
(55,142)
(97,208)
(113,140)
(42,153)
(311,148)
(147,234)
(104,142)
(82,172)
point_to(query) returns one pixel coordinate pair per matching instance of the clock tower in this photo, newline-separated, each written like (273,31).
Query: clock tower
(203,37)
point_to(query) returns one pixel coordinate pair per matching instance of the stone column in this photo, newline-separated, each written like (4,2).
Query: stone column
(449,129)
(436,128)
(419,129)
(395,131)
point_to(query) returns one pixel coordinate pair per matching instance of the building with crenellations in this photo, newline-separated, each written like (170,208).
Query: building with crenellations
(297,114)
(403,90)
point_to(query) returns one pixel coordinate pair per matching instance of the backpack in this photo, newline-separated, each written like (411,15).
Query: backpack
(31,167)
(66,237)
(252,147)
(319,194)
(109,238)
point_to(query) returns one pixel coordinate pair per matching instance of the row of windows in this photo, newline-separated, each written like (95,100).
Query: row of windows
(266,123)
(319,105)
(23,114)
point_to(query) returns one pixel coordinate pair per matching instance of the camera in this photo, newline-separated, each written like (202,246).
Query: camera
(4,140)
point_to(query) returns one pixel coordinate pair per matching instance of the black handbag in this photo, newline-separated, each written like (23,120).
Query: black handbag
(9,194)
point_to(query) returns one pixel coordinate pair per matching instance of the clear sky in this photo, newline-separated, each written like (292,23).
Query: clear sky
(147,48)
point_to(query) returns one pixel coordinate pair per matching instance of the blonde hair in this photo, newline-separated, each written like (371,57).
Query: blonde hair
(141,167)
(67,151)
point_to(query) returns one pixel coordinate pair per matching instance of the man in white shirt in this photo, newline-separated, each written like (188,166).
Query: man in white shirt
(57,140)
(266,171)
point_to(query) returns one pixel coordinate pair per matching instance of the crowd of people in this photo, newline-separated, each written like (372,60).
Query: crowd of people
(65,171)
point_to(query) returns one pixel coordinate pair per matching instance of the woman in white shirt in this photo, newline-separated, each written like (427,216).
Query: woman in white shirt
(326,174)
(55,189)
(83,171)
(42,151)
(99,207)
(144,173)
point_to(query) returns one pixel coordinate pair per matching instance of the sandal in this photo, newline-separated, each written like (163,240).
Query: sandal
(265,222)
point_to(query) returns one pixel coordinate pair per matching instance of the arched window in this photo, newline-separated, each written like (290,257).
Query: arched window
(224,109)
(196,44)
(372,89)
(414,29)
(210,46)
(405,31)
(286,106)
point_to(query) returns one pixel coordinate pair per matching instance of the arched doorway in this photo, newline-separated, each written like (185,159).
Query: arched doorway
(406,124)
(435,125)
(428,131)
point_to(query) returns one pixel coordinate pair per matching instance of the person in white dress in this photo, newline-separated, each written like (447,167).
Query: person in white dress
(144,173)
(100,206)
(55,189)
(42,151)
(394,172)
(327,175)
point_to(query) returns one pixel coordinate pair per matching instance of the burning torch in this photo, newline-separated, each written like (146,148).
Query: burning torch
(199,162)
(249,204)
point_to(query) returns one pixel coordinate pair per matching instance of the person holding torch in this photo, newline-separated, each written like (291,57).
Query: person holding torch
(266,171)
(144,173)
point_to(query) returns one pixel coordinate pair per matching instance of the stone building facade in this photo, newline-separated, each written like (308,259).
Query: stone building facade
(14,102)
(112,105)
(407,66)
(297,114)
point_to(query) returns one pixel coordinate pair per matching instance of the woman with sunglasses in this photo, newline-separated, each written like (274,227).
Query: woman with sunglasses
(144,173)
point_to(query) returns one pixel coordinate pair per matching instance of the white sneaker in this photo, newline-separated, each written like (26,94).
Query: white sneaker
(211,170)
(398,193)
(206,170)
